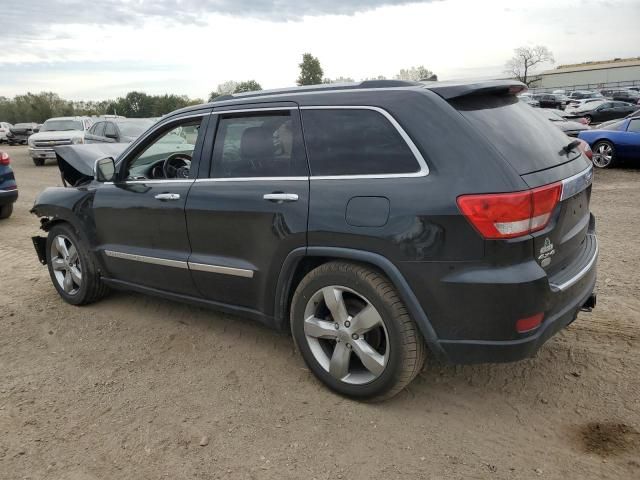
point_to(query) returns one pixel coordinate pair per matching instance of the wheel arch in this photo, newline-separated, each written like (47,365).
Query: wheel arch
(302,260)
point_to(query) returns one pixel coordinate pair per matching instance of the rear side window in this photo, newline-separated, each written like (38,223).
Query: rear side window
(258,145)
(355,142)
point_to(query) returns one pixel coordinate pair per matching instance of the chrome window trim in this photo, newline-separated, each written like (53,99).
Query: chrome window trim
(205,267)
(248,179)
(198,267)
(152,181)
(576,183)
(256,109)
(578,276)
(423,167)
(145,259)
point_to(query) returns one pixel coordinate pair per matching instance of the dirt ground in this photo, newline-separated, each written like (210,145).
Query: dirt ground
(130,388)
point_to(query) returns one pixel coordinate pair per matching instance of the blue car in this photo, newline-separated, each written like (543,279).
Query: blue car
(8,187)
(617,142)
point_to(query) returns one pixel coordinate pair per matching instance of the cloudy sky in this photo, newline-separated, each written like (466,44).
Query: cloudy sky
(99,50)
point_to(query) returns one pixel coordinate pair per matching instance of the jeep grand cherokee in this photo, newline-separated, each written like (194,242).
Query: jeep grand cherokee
(376,221)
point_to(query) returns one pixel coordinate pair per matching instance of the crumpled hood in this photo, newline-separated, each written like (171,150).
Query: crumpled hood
(76,162)
(53,135)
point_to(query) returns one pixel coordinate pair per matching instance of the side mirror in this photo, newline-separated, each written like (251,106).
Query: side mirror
(36,130)
(105,169)
(111,135)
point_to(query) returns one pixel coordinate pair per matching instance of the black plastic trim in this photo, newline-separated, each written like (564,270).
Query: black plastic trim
(415,309)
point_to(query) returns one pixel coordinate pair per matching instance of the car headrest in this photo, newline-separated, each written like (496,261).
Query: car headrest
(257,142)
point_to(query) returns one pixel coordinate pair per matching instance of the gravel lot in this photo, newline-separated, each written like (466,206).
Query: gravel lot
(140,388)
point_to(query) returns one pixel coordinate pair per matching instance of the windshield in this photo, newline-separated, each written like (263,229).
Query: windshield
(134,128)
(615,126)
(61,125)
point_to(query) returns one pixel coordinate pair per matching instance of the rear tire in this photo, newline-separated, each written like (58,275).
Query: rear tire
(38,162)
(364,345)
(72,267)
(604,154)
(6,211)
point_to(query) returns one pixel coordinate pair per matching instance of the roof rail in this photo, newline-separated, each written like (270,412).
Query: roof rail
(322,88)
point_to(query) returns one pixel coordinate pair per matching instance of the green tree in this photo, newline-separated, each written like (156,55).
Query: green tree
(248,86)
(310,70)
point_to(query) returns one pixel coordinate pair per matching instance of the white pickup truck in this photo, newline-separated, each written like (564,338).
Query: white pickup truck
(55,132)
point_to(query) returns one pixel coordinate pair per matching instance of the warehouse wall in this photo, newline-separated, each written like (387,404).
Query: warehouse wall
(604,75)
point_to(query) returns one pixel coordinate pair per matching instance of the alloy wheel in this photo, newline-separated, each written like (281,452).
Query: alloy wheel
(346,335)
(602,155)
(66,265)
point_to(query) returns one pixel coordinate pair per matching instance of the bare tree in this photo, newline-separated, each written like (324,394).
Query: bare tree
(525,59)
(415,74)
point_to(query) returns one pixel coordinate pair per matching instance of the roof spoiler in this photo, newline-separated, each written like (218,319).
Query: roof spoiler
(451,90)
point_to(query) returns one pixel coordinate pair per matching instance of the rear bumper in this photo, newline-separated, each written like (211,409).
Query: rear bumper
(8,196)
(474,309)
(485,351)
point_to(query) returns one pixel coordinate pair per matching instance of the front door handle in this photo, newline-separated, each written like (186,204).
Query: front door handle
(167,196)
(281,197)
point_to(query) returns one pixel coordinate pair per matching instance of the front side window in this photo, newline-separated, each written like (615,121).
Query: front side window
(355,142)
(168,155)
(110,130)
(97,129)
(258,145)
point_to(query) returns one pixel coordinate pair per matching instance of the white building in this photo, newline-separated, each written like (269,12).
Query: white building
(618,72)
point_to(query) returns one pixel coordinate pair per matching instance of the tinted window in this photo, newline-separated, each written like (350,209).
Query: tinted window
(98,129)
(511,128)
(634,125)
(258,145)
(110,129)
(355,142)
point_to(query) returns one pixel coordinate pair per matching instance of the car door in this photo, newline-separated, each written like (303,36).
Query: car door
(628,140)
(95,133)
(140,221)
(248,209)
(604,112)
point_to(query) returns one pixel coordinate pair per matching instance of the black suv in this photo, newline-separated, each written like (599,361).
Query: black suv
(376,221)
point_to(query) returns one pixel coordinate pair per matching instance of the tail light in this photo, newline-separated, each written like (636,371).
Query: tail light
(585,148)
(510,215)
(583,121)
(4,158)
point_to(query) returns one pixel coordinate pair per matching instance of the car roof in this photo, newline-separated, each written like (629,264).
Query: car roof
(67,118)
(309,94)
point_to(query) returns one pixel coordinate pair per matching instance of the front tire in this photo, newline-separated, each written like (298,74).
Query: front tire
(38,162)
(604,154)
(6,211)
(72,267)
(354,332)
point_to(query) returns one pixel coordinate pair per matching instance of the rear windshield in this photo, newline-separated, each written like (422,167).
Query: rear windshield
(526,139)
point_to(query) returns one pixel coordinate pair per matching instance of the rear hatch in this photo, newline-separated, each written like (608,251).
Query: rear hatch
(541,154)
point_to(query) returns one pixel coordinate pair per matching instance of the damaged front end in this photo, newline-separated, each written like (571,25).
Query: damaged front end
(76,162)
(73,202)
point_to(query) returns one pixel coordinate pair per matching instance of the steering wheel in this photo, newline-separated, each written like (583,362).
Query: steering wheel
(177,165)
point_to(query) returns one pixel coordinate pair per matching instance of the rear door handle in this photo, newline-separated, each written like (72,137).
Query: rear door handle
(167,196)
(281,197)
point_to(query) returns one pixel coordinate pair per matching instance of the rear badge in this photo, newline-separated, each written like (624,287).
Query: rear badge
(546,252)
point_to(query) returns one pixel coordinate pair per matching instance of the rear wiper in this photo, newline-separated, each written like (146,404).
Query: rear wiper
(567,148)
